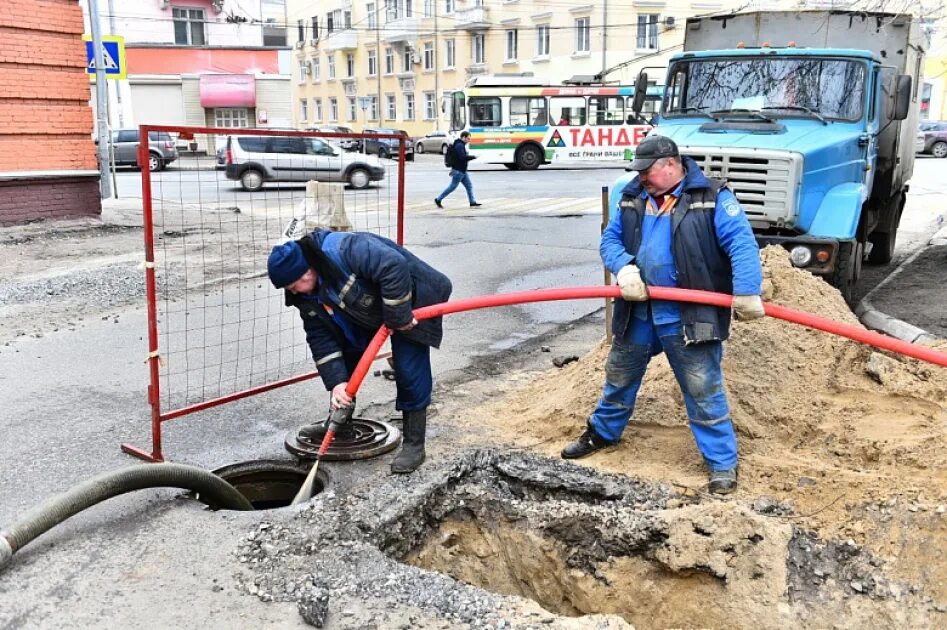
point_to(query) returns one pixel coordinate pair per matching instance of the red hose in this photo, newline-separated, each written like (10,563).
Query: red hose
(658,293)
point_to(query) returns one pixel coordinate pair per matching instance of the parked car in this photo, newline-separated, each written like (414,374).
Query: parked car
(919,141)
(935,138)
(388,147)
(255,160)
(435,141)
(347,144)
(162,149)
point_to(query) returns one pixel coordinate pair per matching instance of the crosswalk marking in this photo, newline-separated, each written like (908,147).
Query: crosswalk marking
(510,206)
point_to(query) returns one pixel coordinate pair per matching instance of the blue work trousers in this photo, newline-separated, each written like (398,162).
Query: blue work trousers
(413,378)
(697,369)
(457,178)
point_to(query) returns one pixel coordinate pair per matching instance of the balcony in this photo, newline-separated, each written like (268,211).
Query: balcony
(472,19)
(346,39)
(401,30)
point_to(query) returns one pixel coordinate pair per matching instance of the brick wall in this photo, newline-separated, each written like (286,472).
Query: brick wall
(45,118)
(40,199)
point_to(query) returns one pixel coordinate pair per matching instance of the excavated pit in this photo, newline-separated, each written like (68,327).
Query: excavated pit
(270,484)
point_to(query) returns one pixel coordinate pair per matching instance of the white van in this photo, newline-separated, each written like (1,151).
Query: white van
(255,160)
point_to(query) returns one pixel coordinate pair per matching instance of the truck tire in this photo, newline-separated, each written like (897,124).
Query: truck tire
(939,150)
(882,247)
(529,158)
(847,269)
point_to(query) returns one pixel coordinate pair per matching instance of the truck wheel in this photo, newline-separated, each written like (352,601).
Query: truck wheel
(882,247)
(529,158)
(939,150)
(251,180)
(846,270)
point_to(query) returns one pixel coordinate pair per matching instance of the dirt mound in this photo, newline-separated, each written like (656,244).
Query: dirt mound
(854,440)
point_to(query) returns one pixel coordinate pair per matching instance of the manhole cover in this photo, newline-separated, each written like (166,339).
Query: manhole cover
(270,484)
(370,438)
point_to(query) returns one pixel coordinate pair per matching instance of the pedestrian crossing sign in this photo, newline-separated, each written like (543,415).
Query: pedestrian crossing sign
(113,56)
(556,140)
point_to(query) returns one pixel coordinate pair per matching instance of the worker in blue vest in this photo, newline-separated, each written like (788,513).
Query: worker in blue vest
(346,285)
(674,227)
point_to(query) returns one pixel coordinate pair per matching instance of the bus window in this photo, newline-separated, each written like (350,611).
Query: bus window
(458,115)
(527,111)
(485,111)
(606,110)
(567,110)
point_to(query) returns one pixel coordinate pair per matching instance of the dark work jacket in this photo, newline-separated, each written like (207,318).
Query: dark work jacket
(371,281)
(459,157)
(699,259)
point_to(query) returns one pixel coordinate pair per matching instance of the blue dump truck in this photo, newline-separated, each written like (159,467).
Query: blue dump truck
(811,117)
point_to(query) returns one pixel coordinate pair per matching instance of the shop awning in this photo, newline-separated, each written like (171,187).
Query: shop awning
(227,90)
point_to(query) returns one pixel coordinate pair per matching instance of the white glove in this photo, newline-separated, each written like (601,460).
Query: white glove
(339,397)
(747,307)
(631,285)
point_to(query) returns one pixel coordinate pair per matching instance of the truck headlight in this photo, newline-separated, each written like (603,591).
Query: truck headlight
(800,256)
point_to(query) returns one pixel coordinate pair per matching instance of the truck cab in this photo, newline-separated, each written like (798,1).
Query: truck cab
(817,143)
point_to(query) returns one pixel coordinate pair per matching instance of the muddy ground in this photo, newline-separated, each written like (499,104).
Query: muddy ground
(839,520)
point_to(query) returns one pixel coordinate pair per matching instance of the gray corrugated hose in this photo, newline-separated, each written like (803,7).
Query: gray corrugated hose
(210,488)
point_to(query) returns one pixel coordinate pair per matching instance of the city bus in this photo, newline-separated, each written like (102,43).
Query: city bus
(525,126)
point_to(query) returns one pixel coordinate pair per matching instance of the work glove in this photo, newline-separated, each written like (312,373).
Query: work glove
(340,398)
(632,286)
(747,307)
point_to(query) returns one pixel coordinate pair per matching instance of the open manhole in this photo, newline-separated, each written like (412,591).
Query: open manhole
(368,438)
(270,484)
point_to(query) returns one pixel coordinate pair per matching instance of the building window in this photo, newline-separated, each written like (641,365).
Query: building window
(315,27)
(583,35)
(303,110)
(542,40)
(512,43)
(428,8)
(409,106)
(430,109)
(391,107)
(330,22)
(349,65)
(331,59)
(406,64)
(372,63)
(347,17)
(449,6)
(389,61)
(334,109)
(300,24)
(478,48)
(317,110)
(188,27)
(231,117)
(315,69)
(350,102)
(303,71)
(428,55)
(450,56)
(370,9)
(648,31)
(373,108)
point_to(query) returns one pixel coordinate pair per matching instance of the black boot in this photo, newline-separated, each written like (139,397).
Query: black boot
(412,442)
(313,433)
(584,445)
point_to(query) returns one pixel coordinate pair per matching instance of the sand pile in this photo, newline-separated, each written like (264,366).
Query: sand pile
(854,439)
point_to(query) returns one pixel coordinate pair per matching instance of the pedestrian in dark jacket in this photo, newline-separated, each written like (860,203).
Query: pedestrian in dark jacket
(675,228)
(346,285)
(458,170)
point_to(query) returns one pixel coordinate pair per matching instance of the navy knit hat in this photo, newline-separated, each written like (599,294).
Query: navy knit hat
(286,264)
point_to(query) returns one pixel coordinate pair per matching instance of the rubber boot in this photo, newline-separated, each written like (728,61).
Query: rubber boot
(313,433)
(412,442)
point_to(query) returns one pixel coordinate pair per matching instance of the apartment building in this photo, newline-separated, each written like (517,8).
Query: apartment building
(391,62)
(219,63)
(47,158)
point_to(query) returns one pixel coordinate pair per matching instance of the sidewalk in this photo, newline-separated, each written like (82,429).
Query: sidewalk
(911,303)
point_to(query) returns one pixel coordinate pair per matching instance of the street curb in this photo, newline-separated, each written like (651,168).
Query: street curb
(874,319)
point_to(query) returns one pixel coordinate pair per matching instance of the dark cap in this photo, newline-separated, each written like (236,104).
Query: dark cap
(651,149)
